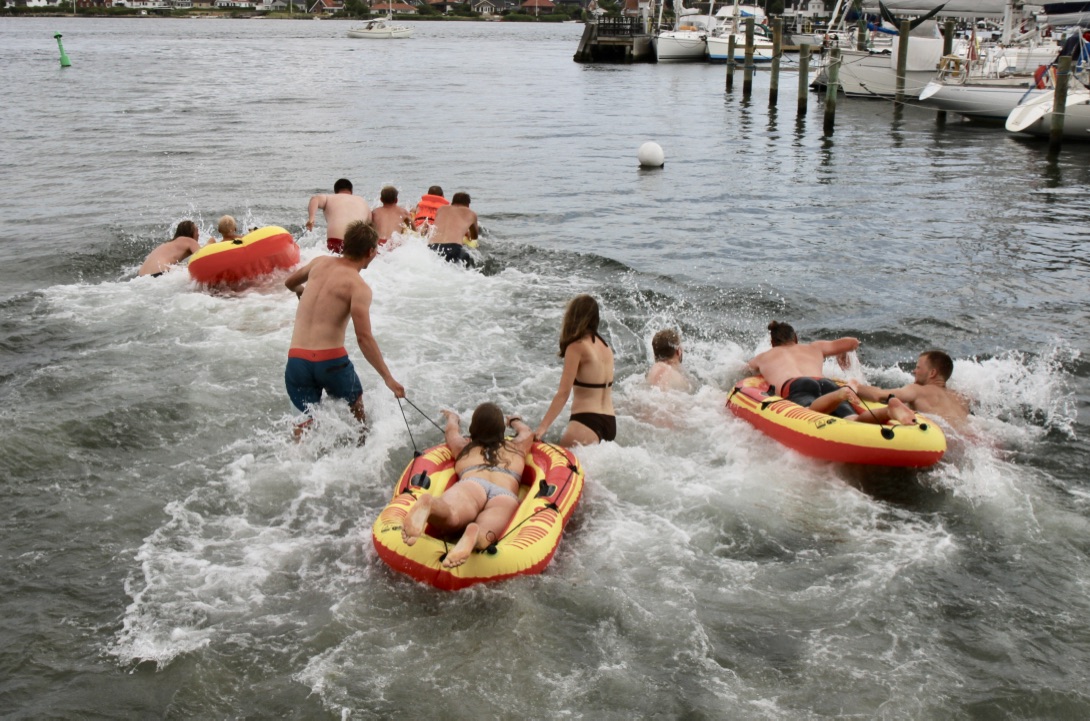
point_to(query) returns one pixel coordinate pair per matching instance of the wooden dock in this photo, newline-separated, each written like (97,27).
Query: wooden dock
(615,40)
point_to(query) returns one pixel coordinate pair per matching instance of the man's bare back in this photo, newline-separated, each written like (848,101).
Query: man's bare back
(389,219)
(454,223)
(799,360)
(333,287)
(169,253)
(340,209)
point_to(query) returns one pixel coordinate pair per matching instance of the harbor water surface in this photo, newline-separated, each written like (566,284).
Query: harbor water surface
(168,552)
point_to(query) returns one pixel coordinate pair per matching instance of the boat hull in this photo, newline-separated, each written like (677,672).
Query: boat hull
(991,101)
(680,46)
(834,439)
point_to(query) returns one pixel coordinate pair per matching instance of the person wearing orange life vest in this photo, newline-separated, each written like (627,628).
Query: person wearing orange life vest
(424,212)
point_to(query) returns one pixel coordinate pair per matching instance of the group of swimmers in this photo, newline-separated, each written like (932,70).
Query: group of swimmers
(448,225)
(331,292)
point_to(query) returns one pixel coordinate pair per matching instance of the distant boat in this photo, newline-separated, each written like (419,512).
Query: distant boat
(380,29)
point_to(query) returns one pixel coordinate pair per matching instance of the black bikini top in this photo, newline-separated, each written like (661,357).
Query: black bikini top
(580,383)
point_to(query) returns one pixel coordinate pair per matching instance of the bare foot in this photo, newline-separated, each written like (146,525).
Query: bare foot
(458,555)
(415,519)
(901,413)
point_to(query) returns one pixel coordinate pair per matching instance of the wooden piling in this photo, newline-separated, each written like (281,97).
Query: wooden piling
(732,47)
(902,61)
(747,71)
(861,35)
(777,46)
(947,49)
(832,78)
(804,78)
(1059,105)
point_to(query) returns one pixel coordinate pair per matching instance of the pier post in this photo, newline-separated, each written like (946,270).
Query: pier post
(832,74)
(777,45)
(747,71)
(1059,106)
(861,35)
(902,61)
(947,49)
(804,77)
(732,47)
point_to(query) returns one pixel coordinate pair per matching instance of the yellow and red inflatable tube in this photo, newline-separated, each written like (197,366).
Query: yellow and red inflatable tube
(257,253)
(834,439)
(552,484)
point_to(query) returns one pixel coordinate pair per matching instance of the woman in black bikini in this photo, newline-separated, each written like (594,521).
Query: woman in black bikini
(587,378)
(485,497)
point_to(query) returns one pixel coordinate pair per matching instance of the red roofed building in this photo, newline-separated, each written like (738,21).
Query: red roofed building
(538,7)
(326,7)
(400,8)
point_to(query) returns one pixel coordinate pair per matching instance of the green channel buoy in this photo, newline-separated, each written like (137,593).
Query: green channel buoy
(65,62)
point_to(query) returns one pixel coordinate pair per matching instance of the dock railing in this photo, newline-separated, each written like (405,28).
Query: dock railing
(619,27)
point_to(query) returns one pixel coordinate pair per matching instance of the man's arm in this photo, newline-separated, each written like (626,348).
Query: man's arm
(836,347)
(295,281)
(906,394)
(474,229)
(316,202)
(361,323)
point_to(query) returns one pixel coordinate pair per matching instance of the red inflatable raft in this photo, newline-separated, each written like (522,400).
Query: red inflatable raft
(257,253)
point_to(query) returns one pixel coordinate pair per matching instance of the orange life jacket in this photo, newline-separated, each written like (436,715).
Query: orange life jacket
(425,209)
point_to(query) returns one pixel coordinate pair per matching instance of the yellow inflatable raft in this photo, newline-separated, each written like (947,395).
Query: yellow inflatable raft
(257,253)
(551,486)
(834,439)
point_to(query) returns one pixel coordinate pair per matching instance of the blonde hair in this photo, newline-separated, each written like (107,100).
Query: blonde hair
(227,226)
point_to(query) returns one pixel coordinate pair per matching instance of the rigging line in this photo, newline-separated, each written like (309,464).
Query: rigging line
(422,413)
(416,451)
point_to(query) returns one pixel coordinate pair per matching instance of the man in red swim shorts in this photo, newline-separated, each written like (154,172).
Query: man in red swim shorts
(340,209)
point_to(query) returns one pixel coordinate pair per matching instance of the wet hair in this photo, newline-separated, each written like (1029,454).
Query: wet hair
(665,344)
(227,226)
(388,194)
(486,432)
(460,199)
(342,184)
(360,239)
(941,362)
(782,333)
(580,319)
(435,190)
(186,229)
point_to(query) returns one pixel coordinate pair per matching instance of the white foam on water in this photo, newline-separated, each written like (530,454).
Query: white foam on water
(693,528)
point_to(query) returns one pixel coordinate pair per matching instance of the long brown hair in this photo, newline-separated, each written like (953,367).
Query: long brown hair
(486,432)
(580,319)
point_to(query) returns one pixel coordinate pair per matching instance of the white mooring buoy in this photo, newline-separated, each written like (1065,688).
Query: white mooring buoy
(650,155)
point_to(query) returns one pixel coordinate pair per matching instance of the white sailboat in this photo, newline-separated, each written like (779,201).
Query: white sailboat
(687,41)
(1034,116)
(732,22)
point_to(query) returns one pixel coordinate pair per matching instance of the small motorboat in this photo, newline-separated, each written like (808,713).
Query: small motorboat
(380,29)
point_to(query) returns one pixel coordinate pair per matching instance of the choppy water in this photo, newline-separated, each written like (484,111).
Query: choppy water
(168,552)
